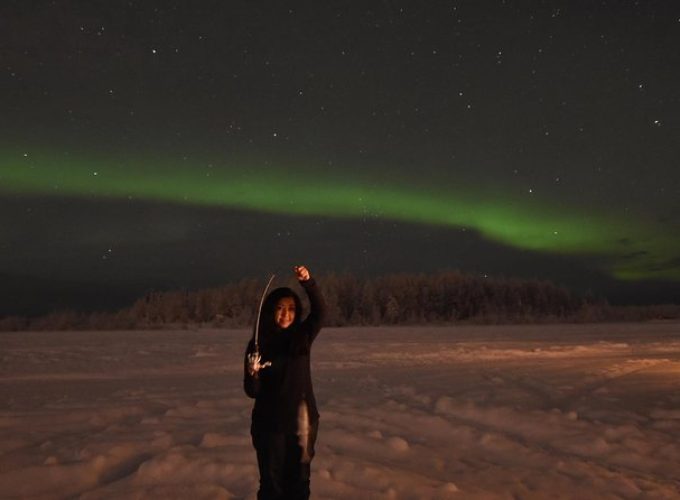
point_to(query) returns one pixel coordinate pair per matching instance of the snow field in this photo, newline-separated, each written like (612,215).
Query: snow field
(587,411)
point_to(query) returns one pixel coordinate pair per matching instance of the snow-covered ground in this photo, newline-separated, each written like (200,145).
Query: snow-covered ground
(588,411)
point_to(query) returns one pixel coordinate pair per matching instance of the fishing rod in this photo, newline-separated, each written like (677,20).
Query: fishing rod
(259,312)
(254,357)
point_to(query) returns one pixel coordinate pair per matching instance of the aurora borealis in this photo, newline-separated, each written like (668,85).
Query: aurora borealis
(522,224)
(544,130)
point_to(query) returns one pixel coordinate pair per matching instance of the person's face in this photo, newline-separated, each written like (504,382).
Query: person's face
(284,312)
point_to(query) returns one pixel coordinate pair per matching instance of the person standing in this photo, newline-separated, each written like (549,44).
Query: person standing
(285,418)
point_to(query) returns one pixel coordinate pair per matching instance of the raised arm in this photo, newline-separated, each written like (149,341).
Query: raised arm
(317,312)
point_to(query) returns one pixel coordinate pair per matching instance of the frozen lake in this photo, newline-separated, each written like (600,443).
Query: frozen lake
(474,412)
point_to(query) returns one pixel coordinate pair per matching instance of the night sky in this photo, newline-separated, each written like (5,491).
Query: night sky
(164,144)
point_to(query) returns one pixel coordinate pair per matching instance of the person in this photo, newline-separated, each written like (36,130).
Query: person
(285,418)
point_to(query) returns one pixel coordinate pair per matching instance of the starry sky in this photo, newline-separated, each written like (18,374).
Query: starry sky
(154,145)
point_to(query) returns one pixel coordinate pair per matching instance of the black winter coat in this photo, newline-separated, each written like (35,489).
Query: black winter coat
(280,388)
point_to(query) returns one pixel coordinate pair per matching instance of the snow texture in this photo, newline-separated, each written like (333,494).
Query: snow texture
(521,412)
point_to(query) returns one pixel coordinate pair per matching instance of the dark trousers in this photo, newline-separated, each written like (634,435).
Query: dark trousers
(284,462)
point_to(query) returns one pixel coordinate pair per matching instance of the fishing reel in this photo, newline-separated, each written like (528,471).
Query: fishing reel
(254,363)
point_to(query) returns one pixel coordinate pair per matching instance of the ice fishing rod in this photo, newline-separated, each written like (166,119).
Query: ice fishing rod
(259,312)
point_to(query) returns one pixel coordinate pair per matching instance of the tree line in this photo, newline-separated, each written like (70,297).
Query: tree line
(395,299)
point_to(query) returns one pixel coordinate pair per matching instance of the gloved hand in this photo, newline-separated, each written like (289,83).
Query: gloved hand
(255,365)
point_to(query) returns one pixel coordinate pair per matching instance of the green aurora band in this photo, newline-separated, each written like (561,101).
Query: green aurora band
(624,248)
